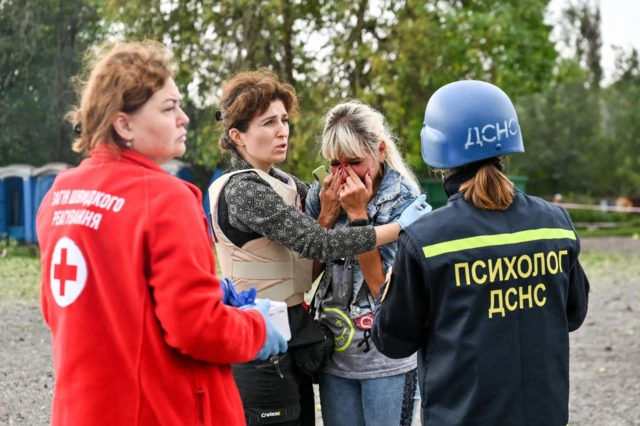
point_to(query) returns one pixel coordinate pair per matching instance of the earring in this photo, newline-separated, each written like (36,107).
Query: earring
(128,144)
(383,169)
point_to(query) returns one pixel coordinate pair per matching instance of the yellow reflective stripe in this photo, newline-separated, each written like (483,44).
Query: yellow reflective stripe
(497,240)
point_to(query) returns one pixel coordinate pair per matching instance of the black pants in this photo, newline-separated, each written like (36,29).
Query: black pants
(275,392)
(307,404)
(307,401)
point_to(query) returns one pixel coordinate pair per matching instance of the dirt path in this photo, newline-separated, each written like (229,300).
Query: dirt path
(26,373)
(605,352)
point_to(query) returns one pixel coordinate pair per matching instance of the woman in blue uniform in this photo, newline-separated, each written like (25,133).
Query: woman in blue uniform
(488,287)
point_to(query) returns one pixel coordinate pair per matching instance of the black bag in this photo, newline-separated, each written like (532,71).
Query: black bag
(311,344)
(269,390)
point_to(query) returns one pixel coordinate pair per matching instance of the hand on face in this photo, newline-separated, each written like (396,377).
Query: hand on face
(355,195)
(330,198)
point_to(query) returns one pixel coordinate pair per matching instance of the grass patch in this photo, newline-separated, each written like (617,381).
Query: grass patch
(20,274)
(608,268)
(598,259)
(20,278)
(615,232)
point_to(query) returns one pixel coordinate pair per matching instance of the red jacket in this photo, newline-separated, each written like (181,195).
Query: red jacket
(140,336)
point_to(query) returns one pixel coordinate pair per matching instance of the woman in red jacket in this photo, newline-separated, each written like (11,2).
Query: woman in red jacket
(140,335)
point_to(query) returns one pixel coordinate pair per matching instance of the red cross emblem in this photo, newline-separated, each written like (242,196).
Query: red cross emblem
(68,273)
(64,272)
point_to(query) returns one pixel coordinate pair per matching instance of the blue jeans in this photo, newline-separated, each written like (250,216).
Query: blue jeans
(370,402)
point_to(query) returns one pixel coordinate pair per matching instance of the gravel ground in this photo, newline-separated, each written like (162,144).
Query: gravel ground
(605,352)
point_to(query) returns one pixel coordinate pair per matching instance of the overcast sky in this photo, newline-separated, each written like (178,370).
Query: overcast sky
(620,26)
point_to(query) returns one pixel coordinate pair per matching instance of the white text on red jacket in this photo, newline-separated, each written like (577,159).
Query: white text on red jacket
(85,198)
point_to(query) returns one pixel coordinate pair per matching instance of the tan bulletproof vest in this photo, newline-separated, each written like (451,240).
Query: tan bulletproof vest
(275,271)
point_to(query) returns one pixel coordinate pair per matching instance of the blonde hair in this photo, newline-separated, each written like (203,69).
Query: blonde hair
(121,77)
(352,129)
(489,188)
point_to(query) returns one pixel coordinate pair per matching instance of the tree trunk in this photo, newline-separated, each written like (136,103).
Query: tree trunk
(58,90)
(288,36)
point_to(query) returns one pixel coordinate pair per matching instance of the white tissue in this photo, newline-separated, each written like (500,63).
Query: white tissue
(280,318)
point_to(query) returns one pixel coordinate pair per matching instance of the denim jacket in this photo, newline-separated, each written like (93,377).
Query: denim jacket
(393,196)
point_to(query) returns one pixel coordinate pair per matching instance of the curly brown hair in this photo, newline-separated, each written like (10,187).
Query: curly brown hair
(121,77)
(247,94)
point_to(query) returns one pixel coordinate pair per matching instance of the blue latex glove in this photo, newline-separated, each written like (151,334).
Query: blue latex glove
(231,297)
(274,344)
(415,211)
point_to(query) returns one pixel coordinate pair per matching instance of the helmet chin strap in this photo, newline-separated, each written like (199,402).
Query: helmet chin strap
(447,173)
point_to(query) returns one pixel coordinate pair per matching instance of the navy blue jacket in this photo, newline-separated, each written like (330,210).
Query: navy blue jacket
(488,299)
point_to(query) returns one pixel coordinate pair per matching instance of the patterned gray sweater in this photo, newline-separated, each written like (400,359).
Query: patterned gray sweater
(254,207)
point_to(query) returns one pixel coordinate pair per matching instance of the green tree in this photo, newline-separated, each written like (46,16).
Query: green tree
(622,124)
(582,22)
(563,125)
(214,39)
(396,57)
(41,45)
(561,131)
(393,55)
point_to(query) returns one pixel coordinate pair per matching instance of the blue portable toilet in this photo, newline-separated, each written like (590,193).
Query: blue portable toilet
(179,169)
(44,177)
(16,202)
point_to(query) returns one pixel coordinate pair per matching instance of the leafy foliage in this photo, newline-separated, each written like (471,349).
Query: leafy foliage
(41,47)
(391,54)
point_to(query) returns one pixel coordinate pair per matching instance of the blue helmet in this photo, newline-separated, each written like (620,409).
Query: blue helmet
(468,121)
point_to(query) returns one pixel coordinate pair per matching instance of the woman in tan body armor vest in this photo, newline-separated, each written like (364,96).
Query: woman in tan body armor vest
(265,240)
